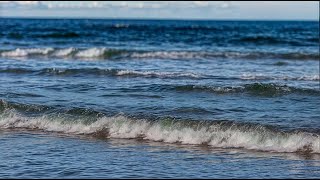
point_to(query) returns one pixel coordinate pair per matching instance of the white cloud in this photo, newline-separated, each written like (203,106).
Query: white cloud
(22,4)
(113,4)
(165,9)
(201,3)
(28,3)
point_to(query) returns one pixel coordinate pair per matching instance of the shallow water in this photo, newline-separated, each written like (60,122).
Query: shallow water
(134,98)
(57,157)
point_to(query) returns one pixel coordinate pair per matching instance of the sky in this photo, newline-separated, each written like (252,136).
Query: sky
(247,10)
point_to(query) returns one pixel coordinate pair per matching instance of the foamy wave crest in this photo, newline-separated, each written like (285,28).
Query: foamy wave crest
(107,53)
(101,72)
(222,134)
(81,53)
(92,52)
(26,52)
(155,74)
(310,78)
(64,52)
(265,77)
(255,89)
(170,55)
(223,54)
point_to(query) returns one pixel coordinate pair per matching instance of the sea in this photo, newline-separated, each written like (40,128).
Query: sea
(133,98)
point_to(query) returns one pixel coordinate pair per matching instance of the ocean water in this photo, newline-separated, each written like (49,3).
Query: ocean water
(85,98)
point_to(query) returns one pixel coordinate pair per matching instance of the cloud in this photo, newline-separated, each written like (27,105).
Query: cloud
(164,9)
(201,3)
(110,4)
(22,4)
(114,4)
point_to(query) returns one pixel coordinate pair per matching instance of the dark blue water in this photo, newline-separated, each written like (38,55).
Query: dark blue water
(147,98)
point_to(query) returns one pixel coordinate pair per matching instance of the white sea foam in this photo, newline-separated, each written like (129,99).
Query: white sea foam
(310,78)
(156,74)
(121,25)
(215,135)
(187,54)
(92,52)
(248,76)
(64,52)
(169,55)
(100,52)
(26,52)
(259,76)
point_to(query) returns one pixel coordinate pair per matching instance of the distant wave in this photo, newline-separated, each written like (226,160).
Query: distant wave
(101,72)
(100,53)
(272,40)
(57,34)
(26,52)
(222,134)
(227,54)
(147,74)
(215,33)
(256,89)
(156,74)
(106,53)
(265,77)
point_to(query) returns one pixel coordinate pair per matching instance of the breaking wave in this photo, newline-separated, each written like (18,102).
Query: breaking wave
(155,74)
(273,40)
(256,89)
(101,72)
(106,53)
(27,52)
(146,73)
(264,77)
(71,52)
(217,133)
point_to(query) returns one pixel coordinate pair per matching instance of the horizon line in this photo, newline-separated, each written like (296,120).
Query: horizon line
(142,18)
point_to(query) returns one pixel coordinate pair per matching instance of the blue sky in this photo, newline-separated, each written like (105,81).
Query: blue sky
(271,10)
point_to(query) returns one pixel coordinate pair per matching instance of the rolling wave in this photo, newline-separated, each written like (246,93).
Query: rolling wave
(219,134)
(156,74)
(71,52)
(147,74)
(264,77)
(274,40)
(101,72)
(215,33)
(53,34)
(256,89)
(58,35)
(106,53)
